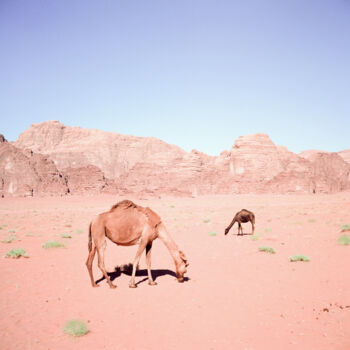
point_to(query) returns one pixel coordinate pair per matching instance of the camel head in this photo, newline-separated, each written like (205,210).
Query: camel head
(181,267)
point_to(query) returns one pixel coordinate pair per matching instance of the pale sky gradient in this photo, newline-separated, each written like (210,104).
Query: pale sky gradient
(195,73)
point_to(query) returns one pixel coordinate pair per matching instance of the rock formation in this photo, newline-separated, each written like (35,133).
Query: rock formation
(94,161)
(24,173)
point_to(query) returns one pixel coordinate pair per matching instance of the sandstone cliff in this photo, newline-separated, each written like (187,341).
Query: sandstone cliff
(24,173)
(94,161)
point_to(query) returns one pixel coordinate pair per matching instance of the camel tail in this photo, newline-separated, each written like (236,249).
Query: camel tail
(90,239)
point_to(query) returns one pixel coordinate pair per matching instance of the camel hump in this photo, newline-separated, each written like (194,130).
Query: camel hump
(125,204)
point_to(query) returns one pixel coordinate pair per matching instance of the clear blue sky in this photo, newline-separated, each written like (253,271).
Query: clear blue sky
(195,73)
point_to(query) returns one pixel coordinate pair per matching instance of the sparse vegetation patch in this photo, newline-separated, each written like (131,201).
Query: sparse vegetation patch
(10,239)
(75,328)
(255,237)
(299,258)
(66,235)
(52,244)
(344,240)
(16,253)
(267,250)
(212,233)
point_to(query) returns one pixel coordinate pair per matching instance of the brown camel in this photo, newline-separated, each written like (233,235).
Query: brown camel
(242,216)
(128,224)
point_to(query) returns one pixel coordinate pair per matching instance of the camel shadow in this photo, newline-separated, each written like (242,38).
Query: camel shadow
(244,234)
(127,270)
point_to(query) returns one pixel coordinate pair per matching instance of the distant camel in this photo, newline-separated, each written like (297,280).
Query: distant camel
(242,216)
(128,224)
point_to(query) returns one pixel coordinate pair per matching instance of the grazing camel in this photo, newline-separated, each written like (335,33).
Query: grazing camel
(128,224)
(242,216)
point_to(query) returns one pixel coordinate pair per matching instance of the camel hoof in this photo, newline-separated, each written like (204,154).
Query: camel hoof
(132,285)
(95,285)
(112,286)
(152,283)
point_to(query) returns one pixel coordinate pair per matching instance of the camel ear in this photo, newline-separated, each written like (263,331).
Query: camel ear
(183,257)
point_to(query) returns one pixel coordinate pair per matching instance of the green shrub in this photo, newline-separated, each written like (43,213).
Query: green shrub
(16,253)
(311,220)
(206,220)
(268,229)
(344,240)
(52,244)
(77,232)
(299,258)
(66,235)
(345,227)
(75,328)
(267,250)
(212,233)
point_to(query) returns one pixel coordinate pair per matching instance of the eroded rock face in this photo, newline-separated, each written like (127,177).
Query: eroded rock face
(95,161)
(88,180)
(114,154)
(24,173)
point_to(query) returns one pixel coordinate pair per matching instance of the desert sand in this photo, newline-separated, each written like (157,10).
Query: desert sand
(235,297)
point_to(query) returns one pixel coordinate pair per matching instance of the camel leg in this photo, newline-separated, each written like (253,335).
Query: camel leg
(142,247)
(253,228)
(240,230)
(148,262)
(101,263)
(89,262)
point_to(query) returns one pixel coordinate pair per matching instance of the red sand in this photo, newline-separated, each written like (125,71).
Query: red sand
(236,297)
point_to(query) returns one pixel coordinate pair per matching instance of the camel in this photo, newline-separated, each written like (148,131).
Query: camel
(128,224)
(242,216)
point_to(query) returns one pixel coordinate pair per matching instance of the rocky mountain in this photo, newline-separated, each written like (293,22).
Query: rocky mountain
(25,173)
(94,161)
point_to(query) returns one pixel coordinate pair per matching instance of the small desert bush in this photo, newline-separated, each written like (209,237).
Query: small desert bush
(345,227)
(16,253)
(268,229)
(30,234)
(267,250)
(66,235)
(12,231)
(212,233)
(344,240)
(75,328)
(311,220)
(299,258)
(52,244)
(78,232)
(206,220)
(10,239)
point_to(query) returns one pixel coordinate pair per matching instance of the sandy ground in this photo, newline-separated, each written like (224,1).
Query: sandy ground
(236,297)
